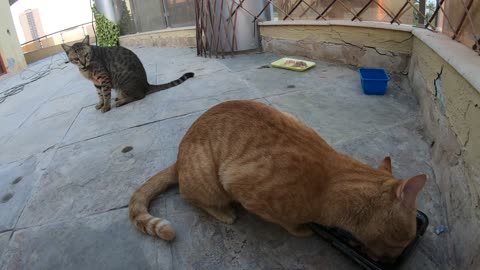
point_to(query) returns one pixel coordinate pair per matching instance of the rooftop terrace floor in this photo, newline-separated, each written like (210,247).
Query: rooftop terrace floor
(65,183)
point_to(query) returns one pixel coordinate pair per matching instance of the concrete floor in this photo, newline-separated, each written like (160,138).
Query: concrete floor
(65,184)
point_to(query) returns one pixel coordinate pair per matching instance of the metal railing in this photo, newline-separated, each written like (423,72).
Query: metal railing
(65,35)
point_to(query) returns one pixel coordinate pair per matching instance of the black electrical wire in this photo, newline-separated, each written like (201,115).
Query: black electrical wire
(37,75)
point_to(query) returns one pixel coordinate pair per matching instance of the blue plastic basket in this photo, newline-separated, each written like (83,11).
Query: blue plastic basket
(374,81)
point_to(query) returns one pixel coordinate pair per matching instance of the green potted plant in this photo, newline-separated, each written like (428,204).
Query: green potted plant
(107,32)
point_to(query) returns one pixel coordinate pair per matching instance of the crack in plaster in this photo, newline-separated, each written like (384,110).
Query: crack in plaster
(439,74)
(362,47)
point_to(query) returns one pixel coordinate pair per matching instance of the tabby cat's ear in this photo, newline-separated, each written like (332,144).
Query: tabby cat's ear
(66,48)
(386,165)
(86,40)
(408,190)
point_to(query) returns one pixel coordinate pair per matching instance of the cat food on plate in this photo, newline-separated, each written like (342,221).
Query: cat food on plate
(293,64)
(345,242)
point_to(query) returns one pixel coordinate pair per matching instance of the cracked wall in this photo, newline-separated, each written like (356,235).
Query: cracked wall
(358,46)
(451,110)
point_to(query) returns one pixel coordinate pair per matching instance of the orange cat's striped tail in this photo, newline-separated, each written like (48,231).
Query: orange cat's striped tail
(138,206)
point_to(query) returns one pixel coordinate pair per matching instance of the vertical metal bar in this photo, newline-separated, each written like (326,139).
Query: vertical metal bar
(133,12)
(220,17)
(421,5)
(213,18)
(227,26)
(212,28)
(196,27)
(165,14)
(234,38)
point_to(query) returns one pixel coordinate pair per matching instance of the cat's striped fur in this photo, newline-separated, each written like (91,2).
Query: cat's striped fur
(114,67)
(281,170)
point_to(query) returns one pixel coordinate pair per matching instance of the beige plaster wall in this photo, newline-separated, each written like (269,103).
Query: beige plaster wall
(451,109)
(348,44)
(174,38)
(9,45)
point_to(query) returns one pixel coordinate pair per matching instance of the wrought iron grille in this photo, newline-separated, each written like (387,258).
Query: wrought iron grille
(459,19)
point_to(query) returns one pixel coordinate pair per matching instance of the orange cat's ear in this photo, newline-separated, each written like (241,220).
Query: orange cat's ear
(408,190)
(386,165)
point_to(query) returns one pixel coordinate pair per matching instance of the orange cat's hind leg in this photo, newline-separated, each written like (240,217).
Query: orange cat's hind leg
(199,186)
(225,214)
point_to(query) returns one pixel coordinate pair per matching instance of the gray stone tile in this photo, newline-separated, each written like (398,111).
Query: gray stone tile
(89,175)
(273,81)
(94,176)
(77,85)
(194,95)
(419,259)
(17,181)
(4,237)
(38,91)
(12,121)
(151,70)
(75,96)
(91,123)
(340,117)
(155,55)
(249,61)
(36,137)
(250,243)
(105,241)
(172,69)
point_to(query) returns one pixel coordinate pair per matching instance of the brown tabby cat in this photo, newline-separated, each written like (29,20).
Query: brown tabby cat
(114,67)
(280,169)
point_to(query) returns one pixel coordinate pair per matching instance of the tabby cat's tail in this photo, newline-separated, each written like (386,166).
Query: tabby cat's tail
(159,87)
(138,206)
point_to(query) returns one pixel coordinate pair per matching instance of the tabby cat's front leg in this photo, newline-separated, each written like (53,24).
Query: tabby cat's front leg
(100,97)
(107,95)
(104,85)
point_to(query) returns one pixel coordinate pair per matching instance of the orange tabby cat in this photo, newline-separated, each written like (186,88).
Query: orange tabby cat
(283,171)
